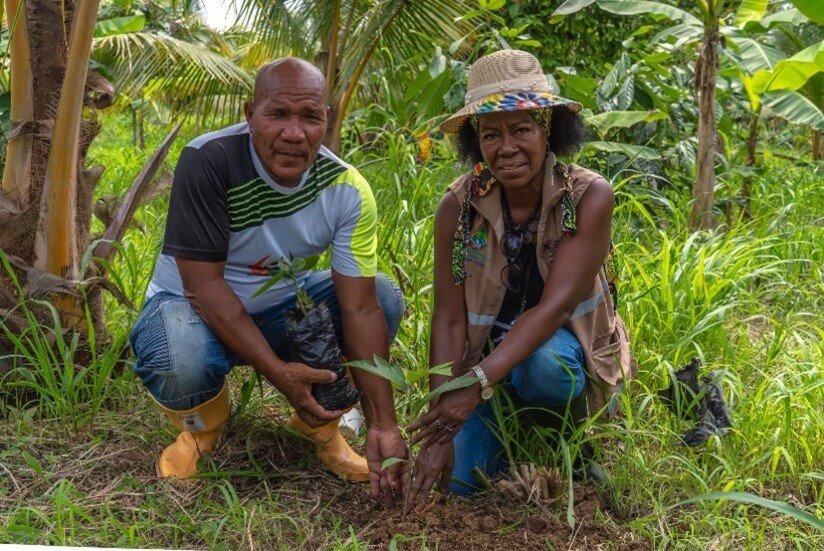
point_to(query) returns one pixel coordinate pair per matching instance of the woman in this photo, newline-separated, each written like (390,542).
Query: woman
(520,237)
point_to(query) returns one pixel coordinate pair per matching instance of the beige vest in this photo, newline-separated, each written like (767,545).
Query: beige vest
(594,322)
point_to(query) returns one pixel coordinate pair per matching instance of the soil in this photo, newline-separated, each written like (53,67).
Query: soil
(113,463)
(486,521)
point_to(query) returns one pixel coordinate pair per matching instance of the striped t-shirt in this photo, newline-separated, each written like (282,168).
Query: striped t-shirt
(225,206)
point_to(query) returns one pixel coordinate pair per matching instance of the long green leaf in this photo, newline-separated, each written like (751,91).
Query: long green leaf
(795,108)
(629,150)
(746,497)
(791,17)
(755,56)
(750,10)
(622,119)
(811,8)
(791,73)
(382,368)
(119,25)
(463,381)
(571,6)
(638,7)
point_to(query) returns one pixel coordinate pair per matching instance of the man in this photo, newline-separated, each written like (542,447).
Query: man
(243,198)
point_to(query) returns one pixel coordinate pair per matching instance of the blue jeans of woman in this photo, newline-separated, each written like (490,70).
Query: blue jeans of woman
(183,364)
(550,378)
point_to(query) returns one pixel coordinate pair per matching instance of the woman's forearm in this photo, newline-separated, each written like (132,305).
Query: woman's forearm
(447,346)
(532,329)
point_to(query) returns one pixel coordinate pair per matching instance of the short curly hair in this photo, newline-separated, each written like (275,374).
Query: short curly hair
(567,136)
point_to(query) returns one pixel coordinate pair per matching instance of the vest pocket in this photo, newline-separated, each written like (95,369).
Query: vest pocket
(612,360)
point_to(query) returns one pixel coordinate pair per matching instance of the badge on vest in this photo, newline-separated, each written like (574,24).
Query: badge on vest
(478,241)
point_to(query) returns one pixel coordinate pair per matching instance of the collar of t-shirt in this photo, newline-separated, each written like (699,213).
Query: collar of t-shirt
(264,174)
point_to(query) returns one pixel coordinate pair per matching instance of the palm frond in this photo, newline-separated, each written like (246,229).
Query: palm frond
(186,75)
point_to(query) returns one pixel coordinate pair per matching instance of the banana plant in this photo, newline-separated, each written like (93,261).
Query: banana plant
(706,28)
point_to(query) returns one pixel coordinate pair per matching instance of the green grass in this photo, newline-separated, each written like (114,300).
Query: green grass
(76,464)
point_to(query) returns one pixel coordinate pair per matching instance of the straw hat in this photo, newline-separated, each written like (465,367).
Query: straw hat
(509,80)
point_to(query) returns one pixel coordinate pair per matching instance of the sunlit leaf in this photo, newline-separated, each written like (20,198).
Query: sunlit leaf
(810,8)
(622,119)
(119,25)
(630,151)
(645,7)
(791,73)
(795,108)
(750,10)
(572,6)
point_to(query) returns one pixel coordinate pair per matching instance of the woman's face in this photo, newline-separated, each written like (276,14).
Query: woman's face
(513,147)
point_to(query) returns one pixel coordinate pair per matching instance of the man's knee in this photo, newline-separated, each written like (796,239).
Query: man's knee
(177,358)
(553,374)
(391,300)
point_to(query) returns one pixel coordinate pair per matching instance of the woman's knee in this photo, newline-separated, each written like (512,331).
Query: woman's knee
(390,297)
(554,373)
(177,358)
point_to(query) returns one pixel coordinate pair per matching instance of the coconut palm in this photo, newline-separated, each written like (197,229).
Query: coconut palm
(344,37)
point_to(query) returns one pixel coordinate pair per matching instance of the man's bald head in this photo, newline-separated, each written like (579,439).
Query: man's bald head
(292,70)
(288,117)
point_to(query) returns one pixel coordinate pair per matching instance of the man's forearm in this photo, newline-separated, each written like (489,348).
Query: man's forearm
(365,335)
(225,315)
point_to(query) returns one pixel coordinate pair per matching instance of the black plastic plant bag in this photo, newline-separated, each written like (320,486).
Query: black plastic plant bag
(312,341)
(702,401)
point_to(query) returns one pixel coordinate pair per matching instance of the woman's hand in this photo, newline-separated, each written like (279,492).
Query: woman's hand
(444,420)
(434,464)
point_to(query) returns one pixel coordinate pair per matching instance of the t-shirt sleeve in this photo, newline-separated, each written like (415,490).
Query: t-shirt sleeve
(197,227)
(354,246)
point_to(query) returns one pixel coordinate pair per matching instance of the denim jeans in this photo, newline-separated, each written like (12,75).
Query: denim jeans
(183,364)
(549,378)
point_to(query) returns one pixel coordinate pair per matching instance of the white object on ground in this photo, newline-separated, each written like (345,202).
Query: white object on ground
(350,423)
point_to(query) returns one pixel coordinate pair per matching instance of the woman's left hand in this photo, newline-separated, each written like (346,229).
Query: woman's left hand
(444,420)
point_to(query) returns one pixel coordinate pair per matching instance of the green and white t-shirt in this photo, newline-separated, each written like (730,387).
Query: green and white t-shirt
(225,206)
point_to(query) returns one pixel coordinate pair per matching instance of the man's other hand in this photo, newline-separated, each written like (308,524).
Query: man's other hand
(383,444)
(294,380)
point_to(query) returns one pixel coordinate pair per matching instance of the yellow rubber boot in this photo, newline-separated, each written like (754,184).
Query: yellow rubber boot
(200,428)
(333,451)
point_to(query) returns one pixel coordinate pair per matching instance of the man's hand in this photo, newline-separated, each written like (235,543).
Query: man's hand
(382,444)
(294,380)
(434,464)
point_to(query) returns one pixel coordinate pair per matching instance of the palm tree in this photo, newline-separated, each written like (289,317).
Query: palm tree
(344,37)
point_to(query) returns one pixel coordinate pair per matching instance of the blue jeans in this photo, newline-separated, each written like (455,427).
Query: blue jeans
(549,378)
(183,364)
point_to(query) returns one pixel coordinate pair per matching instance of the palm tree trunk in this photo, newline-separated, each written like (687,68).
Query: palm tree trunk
(57,236)
(341,106)
(817,153)
(17,172)
(706,69)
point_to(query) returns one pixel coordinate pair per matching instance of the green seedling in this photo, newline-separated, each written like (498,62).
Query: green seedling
(290,268)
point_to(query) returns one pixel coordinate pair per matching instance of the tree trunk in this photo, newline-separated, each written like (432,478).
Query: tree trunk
(706,68)
(817,146)
(752,142)
(17,172)
(48,25)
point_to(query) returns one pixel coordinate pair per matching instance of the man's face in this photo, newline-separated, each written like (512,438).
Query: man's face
(287,121)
